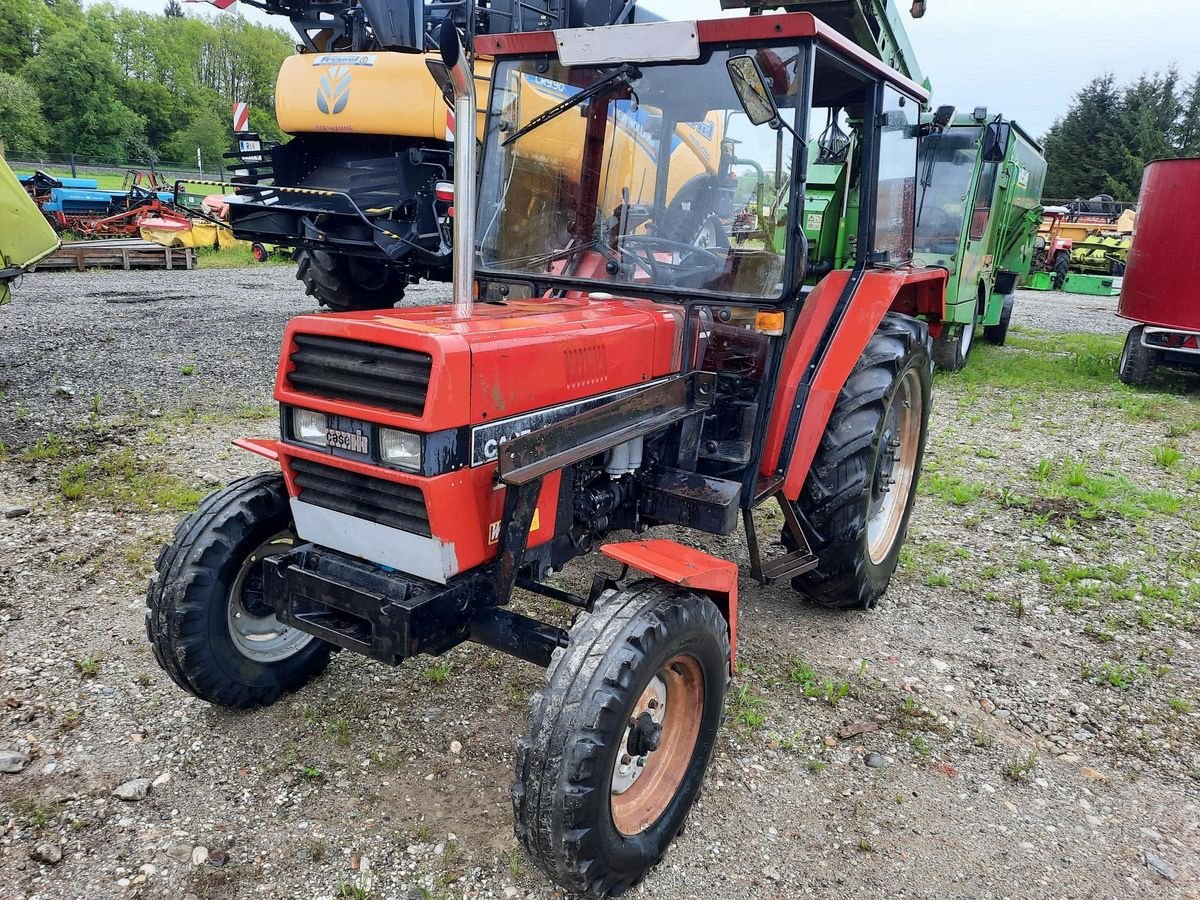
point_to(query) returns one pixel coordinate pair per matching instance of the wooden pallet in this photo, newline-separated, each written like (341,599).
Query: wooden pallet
(118,253)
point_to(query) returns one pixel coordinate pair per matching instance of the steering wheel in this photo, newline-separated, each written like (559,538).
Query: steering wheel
(640,248)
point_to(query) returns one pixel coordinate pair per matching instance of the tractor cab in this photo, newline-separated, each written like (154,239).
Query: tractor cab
(601,175)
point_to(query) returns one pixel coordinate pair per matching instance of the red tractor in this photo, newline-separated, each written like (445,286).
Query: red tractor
(612,363)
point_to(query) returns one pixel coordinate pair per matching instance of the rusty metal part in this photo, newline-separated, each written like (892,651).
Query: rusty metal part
(665,724)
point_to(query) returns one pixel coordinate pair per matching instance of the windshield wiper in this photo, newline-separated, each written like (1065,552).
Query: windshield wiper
(626,73)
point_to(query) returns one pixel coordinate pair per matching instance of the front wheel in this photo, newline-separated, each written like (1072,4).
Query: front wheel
(206,618)
(856,503)
(1062,268)
(621,736)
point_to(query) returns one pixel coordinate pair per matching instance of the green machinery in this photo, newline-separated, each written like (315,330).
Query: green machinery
(978,195)
(978,211)
(25,235)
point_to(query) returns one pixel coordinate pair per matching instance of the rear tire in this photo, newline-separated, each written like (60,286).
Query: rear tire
(953,346)
(1062,268)
(997,334)
(1138,361)
(345,283)
(590,817)
(854,519)
(206,620)
(259,252)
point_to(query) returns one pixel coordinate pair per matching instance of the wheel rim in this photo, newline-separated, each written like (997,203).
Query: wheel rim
(644,783)
(968,337)
(895,468)
(1123,362)
(253,626)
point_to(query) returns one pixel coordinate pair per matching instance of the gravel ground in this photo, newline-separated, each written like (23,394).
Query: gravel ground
(1019,718)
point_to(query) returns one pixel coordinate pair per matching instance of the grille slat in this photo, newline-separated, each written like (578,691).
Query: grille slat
(371,374)
(374,499)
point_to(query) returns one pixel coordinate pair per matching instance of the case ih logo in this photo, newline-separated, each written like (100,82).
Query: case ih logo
(334,90)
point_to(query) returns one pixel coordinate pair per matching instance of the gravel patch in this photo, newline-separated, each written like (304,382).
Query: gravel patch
(1060,311)
(1019,717)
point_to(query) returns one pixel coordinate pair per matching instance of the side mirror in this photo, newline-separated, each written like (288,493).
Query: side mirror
(752,91)
(995,141)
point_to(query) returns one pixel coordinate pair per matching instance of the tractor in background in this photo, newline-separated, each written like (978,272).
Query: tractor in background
(1082,246)
(595,376)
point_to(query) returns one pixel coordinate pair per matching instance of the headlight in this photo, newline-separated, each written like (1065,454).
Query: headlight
(400,449)
(309,427)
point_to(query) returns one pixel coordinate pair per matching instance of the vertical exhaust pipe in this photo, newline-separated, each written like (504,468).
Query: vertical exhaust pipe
(463,83)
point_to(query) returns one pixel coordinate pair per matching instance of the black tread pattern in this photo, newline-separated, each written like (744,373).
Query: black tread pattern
(341,285)
(1138,361)
(1062,268)
(834,500)
(189,571)
(560,769)
(997,334)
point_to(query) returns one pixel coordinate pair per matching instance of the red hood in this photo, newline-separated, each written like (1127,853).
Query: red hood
(509,358)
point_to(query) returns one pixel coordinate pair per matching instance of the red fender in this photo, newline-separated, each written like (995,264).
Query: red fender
(686,567)
(906,290)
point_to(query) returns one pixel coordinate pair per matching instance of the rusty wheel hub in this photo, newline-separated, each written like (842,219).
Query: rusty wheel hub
(657,745)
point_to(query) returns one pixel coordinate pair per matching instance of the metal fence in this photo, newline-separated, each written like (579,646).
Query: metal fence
(78,166)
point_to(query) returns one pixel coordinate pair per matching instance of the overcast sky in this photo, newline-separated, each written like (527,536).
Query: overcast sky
(1025,58)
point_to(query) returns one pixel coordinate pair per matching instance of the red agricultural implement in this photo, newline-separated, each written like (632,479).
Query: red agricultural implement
(1162,282)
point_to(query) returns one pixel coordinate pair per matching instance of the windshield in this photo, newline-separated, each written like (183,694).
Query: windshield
(657,179)
(947,164)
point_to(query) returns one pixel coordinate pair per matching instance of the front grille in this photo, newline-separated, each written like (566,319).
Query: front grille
(362,496)
(371,374)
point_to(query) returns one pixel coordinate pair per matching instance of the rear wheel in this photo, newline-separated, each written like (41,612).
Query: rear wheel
(207,620)
(259,252)
(1138,361)
(344,283)
(953,345)
(997,334)
(621,736)
(1062,267)
(856,503)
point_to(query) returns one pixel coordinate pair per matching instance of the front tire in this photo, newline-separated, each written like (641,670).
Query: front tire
(1062,268)
(1138,361)
(206,619)
(858,498)
(345,283)
(621,736)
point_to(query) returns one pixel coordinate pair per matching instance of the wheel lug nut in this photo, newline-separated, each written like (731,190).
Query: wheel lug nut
(626,759)
(653,703)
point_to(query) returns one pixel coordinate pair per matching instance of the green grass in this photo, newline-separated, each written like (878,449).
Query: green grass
(747,709)
(125,480)
(1045,361)
(438,673)
(1166,456)
(951,488)
(237,257)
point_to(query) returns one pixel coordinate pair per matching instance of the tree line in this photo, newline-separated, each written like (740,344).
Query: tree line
(116,83)
(1110,132)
